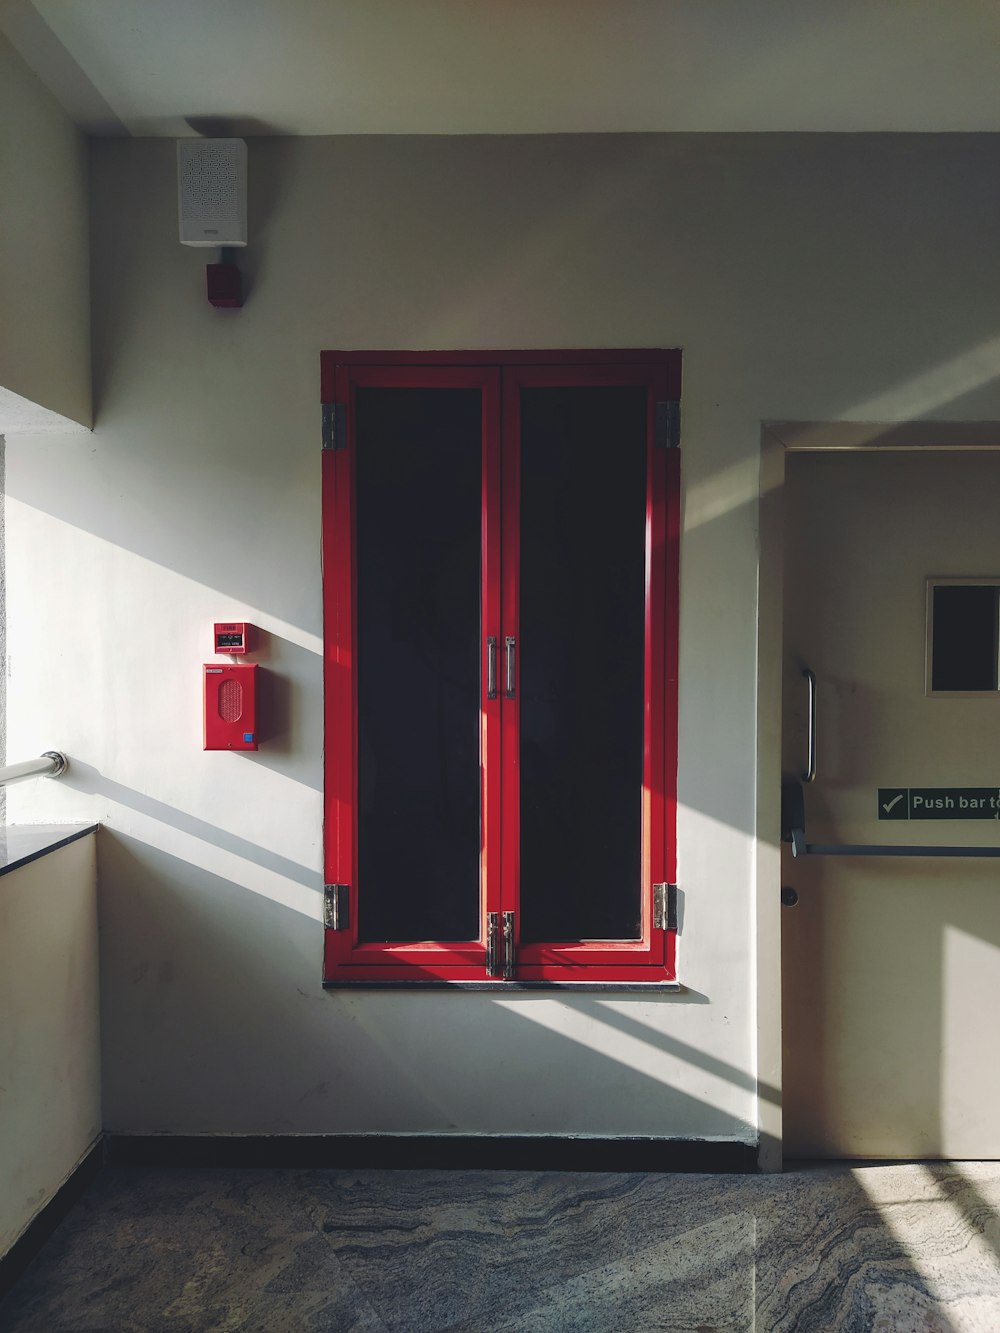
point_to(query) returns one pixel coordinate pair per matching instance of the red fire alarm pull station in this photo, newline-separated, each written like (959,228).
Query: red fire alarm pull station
(232,637)
(231,705)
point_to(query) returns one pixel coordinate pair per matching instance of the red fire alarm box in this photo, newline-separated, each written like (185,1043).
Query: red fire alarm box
(231,637)
(231,706)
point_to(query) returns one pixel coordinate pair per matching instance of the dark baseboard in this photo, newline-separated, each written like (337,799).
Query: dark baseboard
(31,1240)
(431,1152)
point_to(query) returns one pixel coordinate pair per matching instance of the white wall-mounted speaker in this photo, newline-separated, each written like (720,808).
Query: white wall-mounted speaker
(212,191)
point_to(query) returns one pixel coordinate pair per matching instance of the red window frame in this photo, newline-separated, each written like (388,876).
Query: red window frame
(500,376)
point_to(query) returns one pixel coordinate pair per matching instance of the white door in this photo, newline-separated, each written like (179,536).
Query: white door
(891,964)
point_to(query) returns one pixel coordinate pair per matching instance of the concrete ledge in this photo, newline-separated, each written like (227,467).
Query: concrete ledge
(21,843)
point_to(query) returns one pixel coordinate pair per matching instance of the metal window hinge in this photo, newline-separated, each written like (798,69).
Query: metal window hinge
(334,426)
(667,429)
(336,906)
(509,955)
(664,906)
(492,943)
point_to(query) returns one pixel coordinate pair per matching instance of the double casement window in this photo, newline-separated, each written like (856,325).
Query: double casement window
(500,541)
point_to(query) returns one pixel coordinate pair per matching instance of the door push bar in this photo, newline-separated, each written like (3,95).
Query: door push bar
(793,830)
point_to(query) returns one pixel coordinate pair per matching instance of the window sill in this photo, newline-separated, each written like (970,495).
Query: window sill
(506,987)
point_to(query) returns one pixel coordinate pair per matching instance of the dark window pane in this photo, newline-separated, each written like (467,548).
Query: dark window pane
(417,510)
(582,591)
(964,650)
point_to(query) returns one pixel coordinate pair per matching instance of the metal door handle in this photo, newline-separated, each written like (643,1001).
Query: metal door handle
(492,931)
(810,772)
(508,946)
(509,650)
(491,667)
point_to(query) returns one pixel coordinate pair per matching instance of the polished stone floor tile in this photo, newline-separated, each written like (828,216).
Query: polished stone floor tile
(482,1247)
(188,1251)
(682,1283)
(878,1249)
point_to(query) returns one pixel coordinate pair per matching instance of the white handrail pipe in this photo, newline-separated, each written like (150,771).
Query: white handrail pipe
(53,763)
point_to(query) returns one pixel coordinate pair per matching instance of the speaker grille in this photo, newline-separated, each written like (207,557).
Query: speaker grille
(230,700)
(210,180)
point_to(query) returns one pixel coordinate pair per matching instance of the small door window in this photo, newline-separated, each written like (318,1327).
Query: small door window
(963,636)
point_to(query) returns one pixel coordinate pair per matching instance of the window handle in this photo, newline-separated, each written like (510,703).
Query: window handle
(491,667)
(509,947)
(510,647)
(492,944)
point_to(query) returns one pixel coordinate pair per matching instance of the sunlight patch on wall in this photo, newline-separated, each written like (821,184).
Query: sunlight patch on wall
(119,689)
(931,389)
(970,984)
(730,488)
(633,1052)
(30,523)
(227,865)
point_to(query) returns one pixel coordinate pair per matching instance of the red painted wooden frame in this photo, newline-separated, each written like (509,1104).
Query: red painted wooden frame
(621,960)
(346,957)
(669,360)
(650,959)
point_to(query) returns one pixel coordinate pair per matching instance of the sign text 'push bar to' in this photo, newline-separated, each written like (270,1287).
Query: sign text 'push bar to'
(939,803)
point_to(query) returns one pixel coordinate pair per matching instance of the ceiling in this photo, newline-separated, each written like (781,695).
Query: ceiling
(175,67)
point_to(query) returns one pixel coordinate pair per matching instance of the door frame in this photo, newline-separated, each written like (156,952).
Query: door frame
(777,439)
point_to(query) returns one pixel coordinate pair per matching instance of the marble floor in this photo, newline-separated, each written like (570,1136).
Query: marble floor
(876,1249)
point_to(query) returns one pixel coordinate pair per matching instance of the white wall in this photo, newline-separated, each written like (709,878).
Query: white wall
(50,1070)
(44,280)
(809,277)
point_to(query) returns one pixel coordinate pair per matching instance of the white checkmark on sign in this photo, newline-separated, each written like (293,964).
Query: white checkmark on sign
(887,805)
